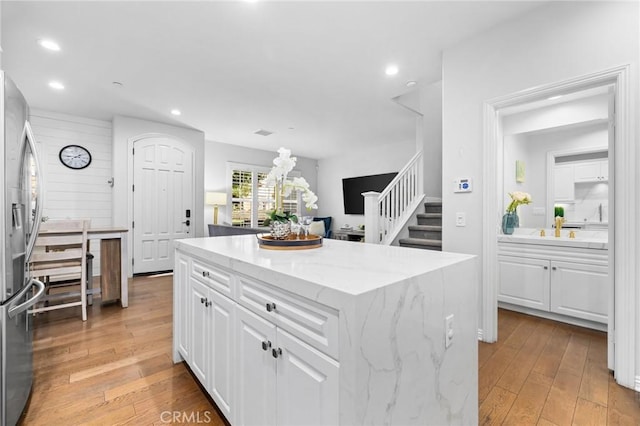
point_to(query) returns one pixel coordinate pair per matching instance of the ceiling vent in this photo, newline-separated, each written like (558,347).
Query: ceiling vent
(262,132)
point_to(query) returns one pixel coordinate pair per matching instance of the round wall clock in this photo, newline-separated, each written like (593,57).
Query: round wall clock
(75,157)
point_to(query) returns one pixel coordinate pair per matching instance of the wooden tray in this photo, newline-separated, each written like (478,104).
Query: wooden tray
(266,241)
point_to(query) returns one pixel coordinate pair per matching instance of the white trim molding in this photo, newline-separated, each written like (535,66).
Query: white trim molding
(623,253)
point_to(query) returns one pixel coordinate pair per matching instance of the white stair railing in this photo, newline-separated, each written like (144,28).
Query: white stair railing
(387,212)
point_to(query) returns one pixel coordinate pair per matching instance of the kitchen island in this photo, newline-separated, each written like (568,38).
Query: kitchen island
(347,333)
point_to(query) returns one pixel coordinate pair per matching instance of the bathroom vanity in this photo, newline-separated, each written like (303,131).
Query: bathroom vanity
(344,334)
(561,278)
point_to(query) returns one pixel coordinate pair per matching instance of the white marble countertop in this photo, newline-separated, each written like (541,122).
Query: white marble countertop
(593,239)
(351,268)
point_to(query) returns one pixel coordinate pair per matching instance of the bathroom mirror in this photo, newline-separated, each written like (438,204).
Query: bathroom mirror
(556,150)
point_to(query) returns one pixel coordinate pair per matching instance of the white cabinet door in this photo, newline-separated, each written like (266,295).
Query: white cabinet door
(200,320)
(580,290)
(591,171)
(221,352)
(181,323)
(255,370)
(524,282)
(308,386)
(563,189)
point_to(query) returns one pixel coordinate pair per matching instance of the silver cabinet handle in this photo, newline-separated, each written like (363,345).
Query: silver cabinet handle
(554,268)
(266,344)
(202,299)
(205,274)
(276,352)
(271,307)
(207,303)
(546,267)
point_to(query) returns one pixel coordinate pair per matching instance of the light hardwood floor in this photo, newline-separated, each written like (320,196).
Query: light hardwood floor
(116,368)
(542,372)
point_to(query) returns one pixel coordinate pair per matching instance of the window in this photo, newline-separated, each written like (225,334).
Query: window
(251,200)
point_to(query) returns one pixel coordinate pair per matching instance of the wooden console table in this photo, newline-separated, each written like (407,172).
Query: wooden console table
(113,263)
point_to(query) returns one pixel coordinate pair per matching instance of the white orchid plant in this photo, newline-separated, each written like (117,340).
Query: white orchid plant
(518,198)
(283,187)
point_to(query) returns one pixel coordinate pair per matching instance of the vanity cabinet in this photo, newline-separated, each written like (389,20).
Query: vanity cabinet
(561,280)
(580,290)
(591,171)
(524,282)
(257,351)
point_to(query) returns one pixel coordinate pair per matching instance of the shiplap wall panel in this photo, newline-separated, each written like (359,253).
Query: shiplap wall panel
(76,194)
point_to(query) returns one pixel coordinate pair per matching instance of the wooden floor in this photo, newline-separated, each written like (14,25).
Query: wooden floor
(116,368)
(543,372)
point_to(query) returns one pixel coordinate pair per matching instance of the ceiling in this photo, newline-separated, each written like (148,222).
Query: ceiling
(311,72)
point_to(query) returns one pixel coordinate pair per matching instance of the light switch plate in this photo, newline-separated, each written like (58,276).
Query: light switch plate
(461,219)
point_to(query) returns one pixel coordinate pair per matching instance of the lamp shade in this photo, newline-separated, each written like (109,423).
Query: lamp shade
(215,198)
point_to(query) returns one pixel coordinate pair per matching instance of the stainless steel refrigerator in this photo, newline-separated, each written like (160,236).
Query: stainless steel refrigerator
(20,214)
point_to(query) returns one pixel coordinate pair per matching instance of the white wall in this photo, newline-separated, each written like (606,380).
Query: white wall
(552,43)
(75,194)
(125,130)
(563,114)
(431,107)
(375,160)
(216,157)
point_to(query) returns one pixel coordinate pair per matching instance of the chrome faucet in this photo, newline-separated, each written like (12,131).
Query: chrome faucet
(559,222)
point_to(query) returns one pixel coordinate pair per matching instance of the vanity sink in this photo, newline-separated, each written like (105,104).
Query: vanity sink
(595,239)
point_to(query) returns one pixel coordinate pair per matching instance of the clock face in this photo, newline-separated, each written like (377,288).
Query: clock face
(75,157)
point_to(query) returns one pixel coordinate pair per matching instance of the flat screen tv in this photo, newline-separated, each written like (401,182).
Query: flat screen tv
(352,189)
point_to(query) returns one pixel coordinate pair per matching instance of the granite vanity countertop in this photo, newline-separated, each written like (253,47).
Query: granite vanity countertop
(592,239)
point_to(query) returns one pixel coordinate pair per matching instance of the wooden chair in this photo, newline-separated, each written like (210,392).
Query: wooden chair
(59,258)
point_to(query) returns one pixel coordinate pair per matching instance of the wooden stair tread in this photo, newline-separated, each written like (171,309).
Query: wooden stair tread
(429,215)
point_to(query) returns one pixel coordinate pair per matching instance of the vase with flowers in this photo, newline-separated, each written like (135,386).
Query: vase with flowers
(510,220)
(279,220)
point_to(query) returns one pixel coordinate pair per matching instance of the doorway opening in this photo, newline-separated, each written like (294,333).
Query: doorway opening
(615,82)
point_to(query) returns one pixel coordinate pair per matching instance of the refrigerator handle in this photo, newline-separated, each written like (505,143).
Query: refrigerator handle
(38,216)
(15,310)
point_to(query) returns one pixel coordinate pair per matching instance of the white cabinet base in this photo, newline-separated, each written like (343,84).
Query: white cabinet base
(553,316)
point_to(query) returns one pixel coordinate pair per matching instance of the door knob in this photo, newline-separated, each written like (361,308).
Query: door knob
(187,222)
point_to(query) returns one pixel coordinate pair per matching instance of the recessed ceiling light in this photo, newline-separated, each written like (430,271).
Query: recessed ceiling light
(391,69)
(263,132)
(176,112)
(49,44)
(411,83)
(56,85)
(553,98)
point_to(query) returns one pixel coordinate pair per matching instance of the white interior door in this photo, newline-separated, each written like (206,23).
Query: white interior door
(163,201)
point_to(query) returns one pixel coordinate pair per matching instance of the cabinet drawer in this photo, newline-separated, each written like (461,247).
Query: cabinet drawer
(314,324)
(213,277)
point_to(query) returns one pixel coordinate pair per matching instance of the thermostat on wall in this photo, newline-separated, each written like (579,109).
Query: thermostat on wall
(462,185)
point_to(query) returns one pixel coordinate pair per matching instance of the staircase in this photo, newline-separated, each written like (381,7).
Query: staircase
(427,234)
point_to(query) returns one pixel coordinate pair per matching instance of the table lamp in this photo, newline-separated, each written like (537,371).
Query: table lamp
(215,199)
